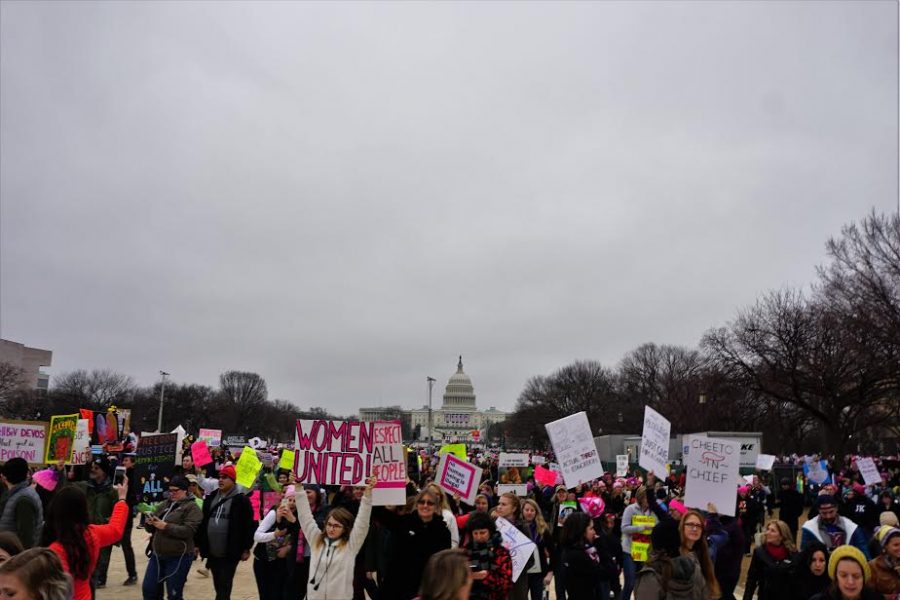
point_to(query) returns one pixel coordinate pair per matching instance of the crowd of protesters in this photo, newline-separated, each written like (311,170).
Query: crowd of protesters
(614,537)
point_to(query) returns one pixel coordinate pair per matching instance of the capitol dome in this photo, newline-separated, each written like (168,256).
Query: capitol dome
(460,393)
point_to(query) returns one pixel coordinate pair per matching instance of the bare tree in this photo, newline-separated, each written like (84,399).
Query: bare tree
(12,378)
(246,394)
(97,389)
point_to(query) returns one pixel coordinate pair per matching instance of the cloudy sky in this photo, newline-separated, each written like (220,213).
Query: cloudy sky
(344,197)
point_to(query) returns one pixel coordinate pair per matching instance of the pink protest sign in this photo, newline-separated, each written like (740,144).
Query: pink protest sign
(270,500)
(545,476)
(200,454)
(458,477)
(254,504)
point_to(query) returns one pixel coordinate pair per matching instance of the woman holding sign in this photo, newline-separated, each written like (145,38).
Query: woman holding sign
(333,553)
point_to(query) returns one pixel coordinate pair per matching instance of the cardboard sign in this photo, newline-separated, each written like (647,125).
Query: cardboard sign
(61,438)
(621,465)
(247,467)
(712,471)
(545,477)
(514,472)
(869,471)
(212,437)
(389,465)
(519,546)
(287,460)
(765,462)
(154,464)
(23,439)
(343,452)
(81,446)
(575,450)
(458,477)
(200,454)
(655,442)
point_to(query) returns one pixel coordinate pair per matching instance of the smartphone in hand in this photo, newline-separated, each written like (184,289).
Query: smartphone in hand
(119,477)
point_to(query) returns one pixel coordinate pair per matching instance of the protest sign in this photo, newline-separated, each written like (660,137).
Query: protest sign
(344,452)
(575,450)
(538,460)
(81,445)
(517,543)
(154,464)
(544,476)
(655,442)
(61,437)
(457,476)
(200,453)
(816,471)
(23,439)
(566,508)
(458,450)
(270,500)
(640,543)
(514,473)
(765,462)
(621,465)
(869,471)
(247,467)
(712,471)
(287,460)
(212,437)
(389,464)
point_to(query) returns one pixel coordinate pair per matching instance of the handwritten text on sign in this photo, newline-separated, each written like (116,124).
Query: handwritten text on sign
(520,547)
(574,447)
(344,452)
(712,473)
(22,439)
(655,442)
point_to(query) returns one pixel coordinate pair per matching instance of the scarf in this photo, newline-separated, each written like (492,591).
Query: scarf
(779,553)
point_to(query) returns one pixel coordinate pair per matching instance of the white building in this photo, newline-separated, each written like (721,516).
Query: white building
(458,417)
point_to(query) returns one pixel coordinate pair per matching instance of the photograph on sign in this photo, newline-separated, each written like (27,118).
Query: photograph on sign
(621,465)
(655,442)
(712,471)
(575,450)
(514,471)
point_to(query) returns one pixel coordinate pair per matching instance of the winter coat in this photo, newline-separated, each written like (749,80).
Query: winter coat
(241,525)
(583,573)
(495,559)
(331,563)
(686,583)
(101,497)
(832,594)
(22,514)
(730,553)
(412,543)
(790,502)
(773,577)
(853,535)
(182,521)
(96,537)
(885,577)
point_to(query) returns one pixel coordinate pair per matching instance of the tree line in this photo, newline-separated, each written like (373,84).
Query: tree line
(816,369)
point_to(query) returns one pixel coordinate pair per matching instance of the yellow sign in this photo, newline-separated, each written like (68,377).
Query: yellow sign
(287,460)
(248,465)
(457,450)
(640,550)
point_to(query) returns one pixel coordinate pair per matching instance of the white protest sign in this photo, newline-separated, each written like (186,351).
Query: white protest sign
(538,460)
(458,477)
(655,442)
(712,470)
(519,546)
(389,464)
(23,439)
(81,446)
(621,465)
(212,437)
(869,471)
(513,471)
(342,452)
(575,450)
(765,462)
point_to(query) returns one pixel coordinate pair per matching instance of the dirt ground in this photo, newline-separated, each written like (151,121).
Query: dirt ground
(201,588)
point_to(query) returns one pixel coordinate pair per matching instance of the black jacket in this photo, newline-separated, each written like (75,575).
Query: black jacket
(832,594)
(791,503)
(582,574)
(412,543)
(773,577)
(241,526)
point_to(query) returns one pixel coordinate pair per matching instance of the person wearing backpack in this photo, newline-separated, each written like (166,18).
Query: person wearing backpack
(774,564)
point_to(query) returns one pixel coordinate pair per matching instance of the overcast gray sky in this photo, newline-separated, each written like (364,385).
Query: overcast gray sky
(344,197)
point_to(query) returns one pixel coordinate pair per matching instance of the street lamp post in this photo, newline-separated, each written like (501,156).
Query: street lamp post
(431,381)
(162,395)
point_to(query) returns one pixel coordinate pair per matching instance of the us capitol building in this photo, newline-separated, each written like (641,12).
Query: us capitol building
(456,420)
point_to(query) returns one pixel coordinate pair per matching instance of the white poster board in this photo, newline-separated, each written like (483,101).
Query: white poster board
(517,462)
(212,437)
(869,471)
(655,442)
(458,477)
(520,547)
(81,446)
(712,473)
(389,466)
(23,439)
(575,450)
(765,462)
(538,460)
(621,465)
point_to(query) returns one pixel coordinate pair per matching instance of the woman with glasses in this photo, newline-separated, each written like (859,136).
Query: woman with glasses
(694,546)
(415,537)
(172,526)
(333,552)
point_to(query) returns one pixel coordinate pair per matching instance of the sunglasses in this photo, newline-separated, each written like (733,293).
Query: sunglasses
(425,503)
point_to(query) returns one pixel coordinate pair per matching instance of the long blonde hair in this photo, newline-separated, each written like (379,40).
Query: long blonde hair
(542,527)
(786,538)
(446,573)
(441,497)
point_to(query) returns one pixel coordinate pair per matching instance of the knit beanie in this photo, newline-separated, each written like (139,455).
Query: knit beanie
(888,518)
(848,552)
(885,533)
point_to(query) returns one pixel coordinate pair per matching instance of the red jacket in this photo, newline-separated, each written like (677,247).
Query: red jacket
(96,536)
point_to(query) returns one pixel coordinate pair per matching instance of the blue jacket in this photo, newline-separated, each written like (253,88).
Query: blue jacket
(854,535)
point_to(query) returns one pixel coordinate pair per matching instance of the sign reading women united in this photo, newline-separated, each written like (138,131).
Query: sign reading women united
(712,473)
(347,452)
(575,450)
